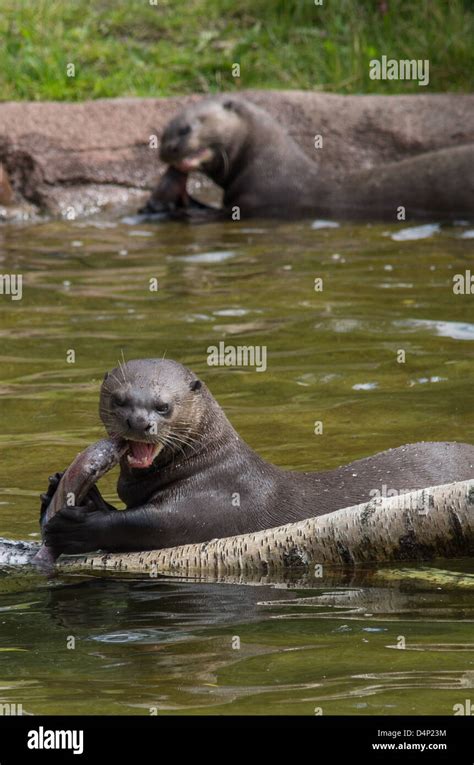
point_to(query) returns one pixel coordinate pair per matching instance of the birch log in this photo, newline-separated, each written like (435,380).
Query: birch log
(420,525)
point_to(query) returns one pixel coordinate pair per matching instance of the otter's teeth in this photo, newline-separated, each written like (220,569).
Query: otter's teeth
(141,454)
(194,161)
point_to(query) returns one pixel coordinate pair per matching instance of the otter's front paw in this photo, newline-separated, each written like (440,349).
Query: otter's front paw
(95,501)
(75,529)
(153,208)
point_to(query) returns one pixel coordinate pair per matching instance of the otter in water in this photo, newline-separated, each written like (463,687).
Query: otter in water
(264,172)
(187,476)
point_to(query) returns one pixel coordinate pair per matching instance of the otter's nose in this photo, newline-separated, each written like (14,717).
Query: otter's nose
(139,422)
(170,148)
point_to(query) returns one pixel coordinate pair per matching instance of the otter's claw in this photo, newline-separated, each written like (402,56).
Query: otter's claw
(47,496)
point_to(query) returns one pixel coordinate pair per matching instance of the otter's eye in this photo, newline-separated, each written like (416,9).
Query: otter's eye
(184,130)
(162,408)
(118,401)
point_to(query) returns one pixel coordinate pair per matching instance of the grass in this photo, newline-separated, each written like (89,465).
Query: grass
(132,48)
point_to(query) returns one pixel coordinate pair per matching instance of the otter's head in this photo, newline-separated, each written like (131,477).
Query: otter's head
(155,405)
(205,137)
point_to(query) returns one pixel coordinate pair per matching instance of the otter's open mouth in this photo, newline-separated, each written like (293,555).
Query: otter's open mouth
(194,160)
(141,454)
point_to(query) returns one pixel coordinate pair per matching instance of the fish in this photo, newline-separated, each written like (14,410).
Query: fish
(81,475)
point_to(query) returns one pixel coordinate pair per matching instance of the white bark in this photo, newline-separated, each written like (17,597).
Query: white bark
(420,525)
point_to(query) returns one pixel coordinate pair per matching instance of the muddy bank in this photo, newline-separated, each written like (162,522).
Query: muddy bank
(73,159)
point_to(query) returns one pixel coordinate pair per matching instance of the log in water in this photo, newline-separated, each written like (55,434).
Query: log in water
(419,525)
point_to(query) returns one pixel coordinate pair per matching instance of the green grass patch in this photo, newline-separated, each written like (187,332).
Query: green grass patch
(133,48)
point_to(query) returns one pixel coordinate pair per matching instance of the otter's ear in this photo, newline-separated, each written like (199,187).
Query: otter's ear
(231,105)
(196,385)
(105,376)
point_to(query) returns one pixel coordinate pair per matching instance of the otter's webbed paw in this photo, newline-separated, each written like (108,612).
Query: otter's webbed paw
(46,497)
(75,529)
(154,208)
(96,501)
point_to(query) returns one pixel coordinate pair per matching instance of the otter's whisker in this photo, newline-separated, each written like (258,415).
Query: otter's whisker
(225,158)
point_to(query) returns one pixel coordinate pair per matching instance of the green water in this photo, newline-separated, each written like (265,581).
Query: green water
(142,644)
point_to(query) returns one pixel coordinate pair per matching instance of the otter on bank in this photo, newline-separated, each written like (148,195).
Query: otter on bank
(264,172)
(187,476)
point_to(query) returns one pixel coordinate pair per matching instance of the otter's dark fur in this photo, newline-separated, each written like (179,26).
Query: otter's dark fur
(199,480)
